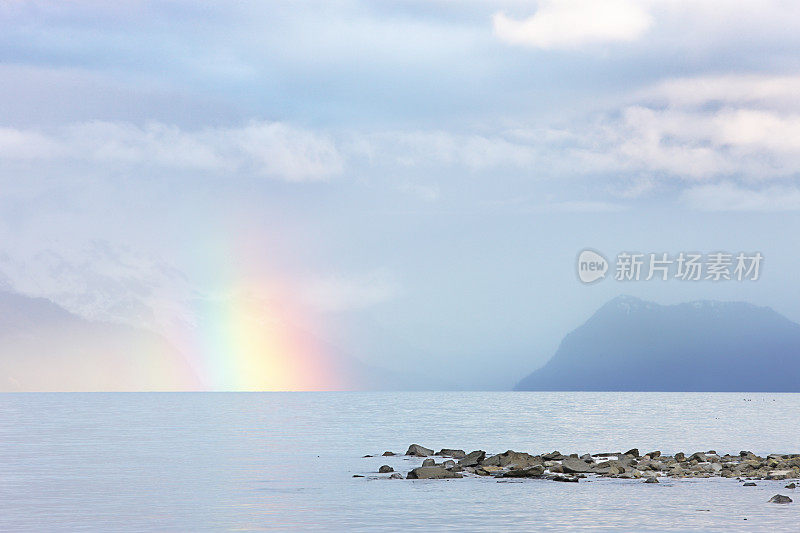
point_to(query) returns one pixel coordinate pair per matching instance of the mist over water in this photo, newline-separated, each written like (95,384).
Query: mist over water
(281,461)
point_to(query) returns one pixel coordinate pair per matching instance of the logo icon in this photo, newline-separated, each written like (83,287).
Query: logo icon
(591,266)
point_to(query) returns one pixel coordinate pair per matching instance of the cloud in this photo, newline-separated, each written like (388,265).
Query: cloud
(334,294)
(269,150)
(732,197)
(559,24)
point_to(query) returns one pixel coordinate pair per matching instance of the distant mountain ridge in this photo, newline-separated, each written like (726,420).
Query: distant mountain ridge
(44,347)
(634,345)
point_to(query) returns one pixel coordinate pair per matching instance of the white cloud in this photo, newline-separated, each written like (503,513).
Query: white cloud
(731,197)
(269,150)
(332,294)
(761,90)
(575,23)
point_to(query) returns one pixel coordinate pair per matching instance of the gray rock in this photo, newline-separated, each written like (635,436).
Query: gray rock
(651,480)
(654,454)
(432,472)
(396,475)
(749,484)
(455,454)
(472,458)
(388,454)
(512,459)
(448,464)
(572,465)
(780,498)
(680,457)
(566,479)
(552,456)
(633,451)
(385,469)
(419,451)
(429,462)
(790,486)
(533,471)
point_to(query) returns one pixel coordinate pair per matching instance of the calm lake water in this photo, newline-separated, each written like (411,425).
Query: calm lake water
(285,461)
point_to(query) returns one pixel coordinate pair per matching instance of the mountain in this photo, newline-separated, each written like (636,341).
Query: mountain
(633,345)
(43,347)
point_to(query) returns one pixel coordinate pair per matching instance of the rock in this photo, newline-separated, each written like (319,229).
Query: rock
(653,455)
(419,451)
(633,451)
(388,454)
(396,475)
(572,465)
(790,486)
(565,479)
(357,475)
(533,471)
(780,498)
(432,472)
(512,459)
(556,469)
(385,469)
(553,456)
(700,457)
(749,484)
(448,464)
(365,456)
(455,454)
(456,468)
(680,457)
(472,458)
(488,470)
(428,462)
(651,480)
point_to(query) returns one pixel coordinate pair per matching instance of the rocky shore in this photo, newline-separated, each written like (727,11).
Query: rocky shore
(746,467)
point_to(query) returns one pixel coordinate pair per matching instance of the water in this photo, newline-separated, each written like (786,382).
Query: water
(284,461)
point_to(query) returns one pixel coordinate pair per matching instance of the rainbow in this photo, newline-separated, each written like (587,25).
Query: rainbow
(246,335)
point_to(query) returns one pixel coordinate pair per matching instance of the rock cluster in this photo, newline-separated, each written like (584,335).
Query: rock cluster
(628,465)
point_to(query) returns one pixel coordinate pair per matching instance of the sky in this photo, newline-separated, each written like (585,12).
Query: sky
(410,182)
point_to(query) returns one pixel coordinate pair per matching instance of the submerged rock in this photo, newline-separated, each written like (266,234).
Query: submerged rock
(419,451)
(432,472)
(533,471)
(790,486)
(651,480)
(566,479)
(385,469)
(780,498)
(396,475)
(388,454)
(749,484)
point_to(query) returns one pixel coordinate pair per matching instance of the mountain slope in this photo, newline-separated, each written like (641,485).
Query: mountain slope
(43,347)
(633,345)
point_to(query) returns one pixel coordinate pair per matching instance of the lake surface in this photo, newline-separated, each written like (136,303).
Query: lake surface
(285,461)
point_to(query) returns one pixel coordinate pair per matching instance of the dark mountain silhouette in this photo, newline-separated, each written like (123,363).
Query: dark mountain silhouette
(633,345)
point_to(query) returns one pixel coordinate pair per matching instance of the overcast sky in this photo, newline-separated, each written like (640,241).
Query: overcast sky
(415,178)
